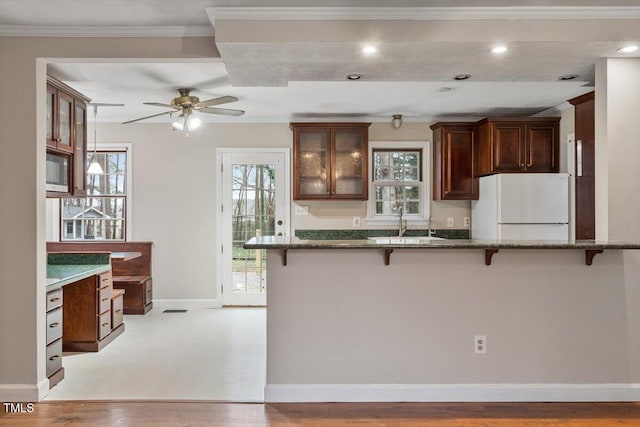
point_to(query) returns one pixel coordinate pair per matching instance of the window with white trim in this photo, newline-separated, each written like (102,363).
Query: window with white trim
(398,181)
(102,214)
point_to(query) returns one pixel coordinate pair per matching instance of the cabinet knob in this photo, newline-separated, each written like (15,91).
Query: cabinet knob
(528,165)
(521,165)
(279,222)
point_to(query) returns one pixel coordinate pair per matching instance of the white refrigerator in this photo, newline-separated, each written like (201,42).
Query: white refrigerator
(521,206)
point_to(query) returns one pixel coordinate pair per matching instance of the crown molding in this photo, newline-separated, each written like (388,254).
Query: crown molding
(104,31)
(421,13)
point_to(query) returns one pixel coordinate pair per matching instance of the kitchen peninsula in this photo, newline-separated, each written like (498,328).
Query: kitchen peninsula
(343,326)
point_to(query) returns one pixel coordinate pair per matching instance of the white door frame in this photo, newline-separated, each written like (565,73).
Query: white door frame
(220,197)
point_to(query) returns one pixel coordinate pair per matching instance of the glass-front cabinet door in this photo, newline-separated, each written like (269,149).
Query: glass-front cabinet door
(80,146)
(330,161)
(312,159)
(349,166)
(65,123)
(51,102)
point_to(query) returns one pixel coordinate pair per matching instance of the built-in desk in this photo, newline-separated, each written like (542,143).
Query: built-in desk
(131,265)
(80,307)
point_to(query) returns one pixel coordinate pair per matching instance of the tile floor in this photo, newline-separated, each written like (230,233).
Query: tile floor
(204,354)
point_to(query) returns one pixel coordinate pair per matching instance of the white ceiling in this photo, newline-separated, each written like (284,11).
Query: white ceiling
(284,81)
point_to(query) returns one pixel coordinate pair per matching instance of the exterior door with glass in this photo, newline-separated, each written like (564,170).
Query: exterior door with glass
(254,204)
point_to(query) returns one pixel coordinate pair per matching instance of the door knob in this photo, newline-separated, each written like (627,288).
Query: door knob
(279,234)
(279,222)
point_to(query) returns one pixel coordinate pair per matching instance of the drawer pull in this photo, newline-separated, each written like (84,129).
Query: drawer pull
(54,299)
(54,357)
(105,279)
(105,299)
(54,325)
(118,311)
(105,324)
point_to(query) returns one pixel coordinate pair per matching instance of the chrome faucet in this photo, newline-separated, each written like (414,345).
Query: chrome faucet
(402,228)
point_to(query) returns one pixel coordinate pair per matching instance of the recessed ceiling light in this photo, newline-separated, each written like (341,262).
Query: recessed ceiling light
(354,76)
(569,77)
(369,50)
(461,76)
(629,49)
(499,49)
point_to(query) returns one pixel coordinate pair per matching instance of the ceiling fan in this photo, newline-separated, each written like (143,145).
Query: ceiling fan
(185,104)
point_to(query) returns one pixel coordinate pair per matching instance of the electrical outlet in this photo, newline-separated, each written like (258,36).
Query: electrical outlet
(356,221)
(480,344)
(467,221)
(450,222)
(302,210)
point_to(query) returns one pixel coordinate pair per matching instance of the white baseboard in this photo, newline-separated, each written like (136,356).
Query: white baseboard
(189,304)
(24,392)
(452,393)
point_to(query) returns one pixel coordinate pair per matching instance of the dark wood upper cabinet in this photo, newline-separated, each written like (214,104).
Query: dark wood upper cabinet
(585,221)
(66,130)
(330,161)
(517,145)
(80,148)
(453,161)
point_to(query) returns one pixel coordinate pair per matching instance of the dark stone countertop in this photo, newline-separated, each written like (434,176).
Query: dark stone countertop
(410,242)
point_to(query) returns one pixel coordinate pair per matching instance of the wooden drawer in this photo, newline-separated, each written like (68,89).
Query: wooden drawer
(106,279)
(148,292)
(104,324)
(54,325)
(117,315)
(104,299)
(54,299)
(54,357)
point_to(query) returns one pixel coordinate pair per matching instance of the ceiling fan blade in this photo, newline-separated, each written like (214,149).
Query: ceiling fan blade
(149,117)
(222,111)
(159,104)
(216,101)
(104,104)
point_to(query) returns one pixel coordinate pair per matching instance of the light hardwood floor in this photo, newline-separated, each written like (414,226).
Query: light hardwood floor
(142,414)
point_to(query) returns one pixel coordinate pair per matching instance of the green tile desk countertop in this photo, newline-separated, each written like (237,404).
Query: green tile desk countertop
(59,275)
(65,268)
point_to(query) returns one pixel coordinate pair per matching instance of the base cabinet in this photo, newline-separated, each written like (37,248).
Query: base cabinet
(87,314)
(55,371)
(138,293)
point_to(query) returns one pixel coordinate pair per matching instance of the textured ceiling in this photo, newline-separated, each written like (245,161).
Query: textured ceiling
(284,72)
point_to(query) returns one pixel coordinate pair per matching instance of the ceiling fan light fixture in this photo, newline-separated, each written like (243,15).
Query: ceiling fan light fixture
(193,122)
(177,125)
(397,121)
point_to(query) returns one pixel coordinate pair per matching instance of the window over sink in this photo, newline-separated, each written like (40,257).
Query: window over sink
(102,214)
(398,175)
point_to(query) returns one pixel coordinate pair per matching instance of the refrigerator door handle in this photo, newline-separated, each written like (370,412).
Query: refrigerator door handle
(579,157)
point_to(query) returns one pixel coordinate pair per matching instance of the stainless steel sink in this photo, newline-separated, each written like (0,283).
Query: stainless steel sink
(405,239)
